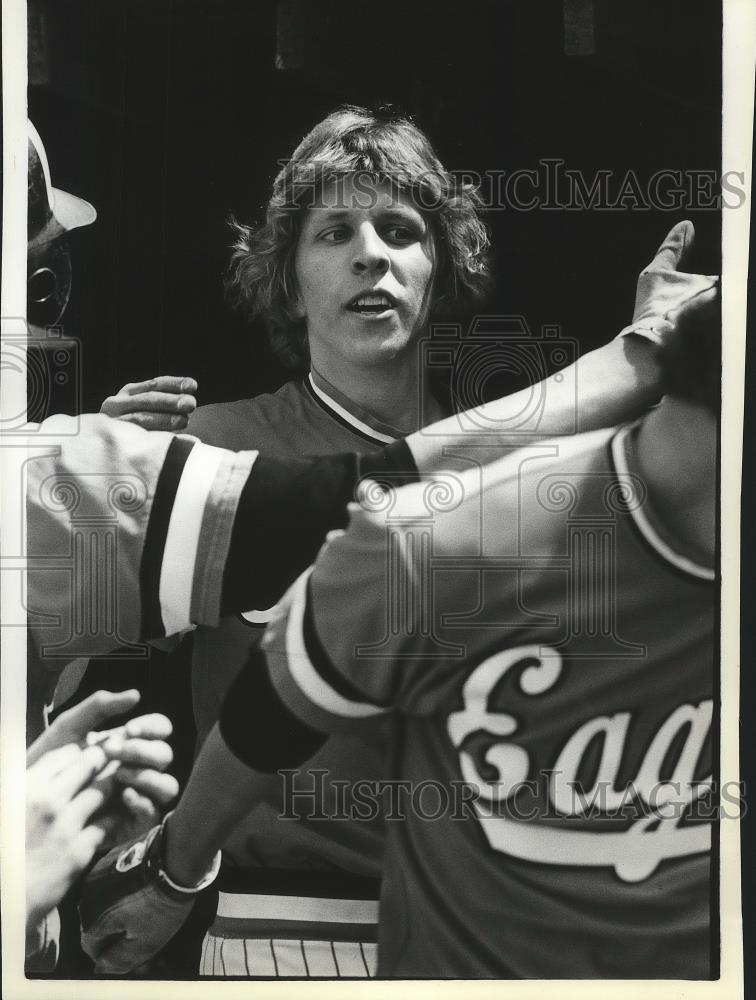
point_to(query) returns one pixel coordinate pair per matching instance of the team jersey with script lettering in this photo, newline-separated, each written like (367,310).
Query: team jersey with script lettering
(301,419)
(549,656)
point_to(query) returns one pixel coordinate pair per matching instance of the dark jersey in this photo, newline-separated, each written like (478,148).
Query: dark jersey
(301,419)
(549,657)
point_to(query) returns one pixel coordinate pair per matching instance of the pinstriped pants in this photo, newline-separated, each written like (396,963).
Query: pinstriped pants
(291,936)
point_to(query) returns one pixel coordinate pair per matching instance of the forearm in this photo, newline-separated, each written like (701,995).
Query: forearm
(256,736)
(615,383)
(607,386)
(219,794)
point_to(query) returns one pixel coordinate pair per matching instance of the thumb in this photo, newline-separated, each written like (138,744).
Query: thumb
(675,248)
(73,725)
(96,709)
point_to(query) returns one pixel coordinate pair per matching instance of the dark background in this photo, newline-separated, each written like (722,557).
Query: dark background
(169,114)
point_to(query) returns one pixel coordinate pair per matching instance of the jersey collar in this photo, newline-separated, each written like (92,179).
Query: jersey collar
(347,412)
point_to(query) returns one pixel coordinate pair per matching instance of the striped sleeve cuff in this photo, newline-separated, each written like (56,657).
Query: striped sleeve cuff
(304,675)
(188,535)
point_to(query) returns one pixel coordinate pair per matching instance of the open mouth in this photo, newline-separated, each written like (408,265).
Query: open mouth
(371,303)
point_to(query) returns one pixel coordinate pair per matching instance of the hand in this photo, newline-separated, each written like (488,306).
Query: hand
(135,791)
(60,840)
(700,312)
(73,725)
(662,288)
(127,914)
(692,355)
(140,750)
(159,404)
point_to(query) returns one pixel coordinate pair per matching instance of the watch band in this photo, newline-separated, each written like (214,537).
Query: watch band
(154,864)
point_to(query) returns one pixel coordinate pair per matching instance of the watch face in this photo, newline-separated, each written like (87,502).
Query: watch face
(131,857)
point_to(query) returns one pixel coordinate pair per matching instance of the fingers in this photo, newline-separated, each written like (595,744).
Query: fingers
(150,402)
(138,752)
(86,843)
(94,710)
(675,249)
(75,724)
(158,787)
(84,805)
(79,772)
(154,726)
(163,383)
(159,404)
(141,808)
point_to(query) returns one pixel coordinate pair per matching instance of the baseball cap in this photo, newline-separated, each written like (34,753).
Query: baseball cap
(50,210)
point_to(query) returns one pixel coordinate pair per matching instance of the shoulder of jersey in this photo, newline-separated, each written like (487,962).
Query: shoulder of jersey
(228,424)
(505,479)
(557,450)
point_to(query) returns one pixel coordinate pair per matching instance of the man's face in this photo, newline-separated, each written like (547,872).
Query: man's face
(363,264)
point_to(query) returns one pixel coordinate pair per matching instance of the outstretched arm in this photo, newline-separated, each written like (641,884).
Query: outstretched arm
(610,385)
(203,531)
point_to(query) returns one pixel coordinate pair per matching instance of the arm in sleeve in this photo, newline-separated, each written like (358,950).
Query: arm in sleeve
(349,643)
(608,386)
(285,512)
(173,532)
(128,534)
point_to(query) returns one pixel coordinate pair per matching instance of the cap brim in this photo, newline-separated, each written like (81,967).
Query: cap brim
(72,212)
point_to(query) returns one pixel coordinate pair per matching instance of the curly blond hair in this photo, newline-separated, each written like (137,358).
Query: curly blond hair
(388,147)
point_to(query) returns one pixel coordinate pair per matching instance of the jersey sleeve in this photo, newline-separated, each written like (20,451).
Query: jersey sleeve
(287,509)
(361,634)
(128,534)
(135,535)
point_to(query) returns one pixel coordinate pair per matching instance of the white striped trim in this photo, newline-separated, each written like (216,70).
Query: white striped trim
(258,617)
(182,539)
(644,525)
(310,909)
(350,417)
(307,678)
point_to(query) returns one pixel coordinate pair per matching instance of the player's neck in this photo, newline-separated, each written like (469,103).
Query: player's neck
(677,458)
(391,393)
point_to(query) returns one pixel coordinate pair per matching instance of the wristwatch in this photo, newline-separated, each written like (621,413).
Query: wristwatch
(151,850)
